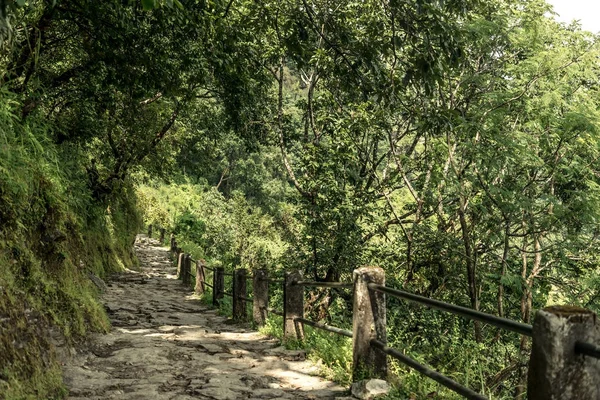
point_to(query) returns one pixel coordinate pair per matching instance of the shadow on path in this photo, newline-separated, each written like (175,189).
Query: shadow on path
(166,345)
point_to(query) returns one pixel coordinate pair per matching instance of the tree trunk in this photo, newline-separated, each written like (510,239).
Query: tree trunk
(470,261)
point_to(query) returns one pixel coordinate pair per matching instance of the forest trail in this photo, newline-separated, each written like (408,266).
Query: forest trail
(165,344)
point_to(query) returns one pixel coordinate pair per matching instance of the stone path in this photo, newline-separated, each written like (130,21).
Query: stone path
(166,345)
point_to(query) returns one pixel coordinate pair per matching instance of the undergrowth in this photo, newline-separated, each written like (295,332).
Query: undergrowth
(53,233)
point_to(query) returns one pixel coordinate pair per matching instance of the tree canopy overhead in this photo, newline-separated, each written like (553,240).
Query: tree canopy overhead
(453,142)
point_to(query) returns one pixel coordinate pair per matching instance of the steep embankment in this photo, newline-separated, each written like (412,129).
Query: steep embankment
(167,345)
(53,234)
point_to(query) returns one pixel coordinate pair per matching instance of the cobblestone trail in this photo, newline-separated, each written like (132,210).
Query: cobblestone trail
(165,344)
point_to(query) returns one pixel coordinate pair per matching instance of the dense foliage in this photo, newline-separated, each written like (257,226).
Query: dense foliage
(454,143)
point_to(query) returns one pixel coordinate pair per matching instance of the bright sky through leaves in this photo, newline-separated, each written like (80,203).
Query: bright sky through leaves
(586,11)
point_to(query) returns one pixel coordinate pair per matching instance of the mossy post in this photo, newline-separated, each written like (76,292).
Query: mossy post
(368,322)
(239,291)
(218,284)
(187,266)
(261,297)
(150,230)
(293,306)
(180,261)
(556,372)
(162,235)
(200,277)
(173,243)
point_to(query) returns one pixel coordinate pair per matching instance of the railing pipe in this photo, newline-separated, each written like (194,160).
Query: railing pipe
(587,349)
(325,284)
(275,281)
(274,311)
(325,327)
(504,323)
(436,376)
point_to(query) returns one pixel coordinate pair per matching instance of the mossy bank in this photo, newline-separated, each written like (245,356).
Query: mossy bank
(54,232)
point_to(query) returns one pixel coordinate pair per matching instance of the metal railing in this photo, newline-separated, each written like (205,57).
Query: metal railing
(504,323)
(368,327)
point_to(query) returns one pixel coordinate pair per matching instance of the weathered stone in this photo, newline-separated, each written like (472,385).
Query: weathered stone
(290,355)
(180,261)
(370,389)
(239,291)
(293,300)
(368,322)
(218,284)
(186,269)
(261,297)
(97,281)
(555,371)
(200,277)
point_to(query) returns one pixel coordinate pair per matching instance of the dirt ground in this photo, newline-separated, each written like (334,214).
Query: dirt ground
(167,345)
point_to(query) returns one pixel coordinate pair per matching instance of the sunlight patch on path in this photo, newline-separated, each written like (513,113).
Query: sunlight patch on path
(166,345)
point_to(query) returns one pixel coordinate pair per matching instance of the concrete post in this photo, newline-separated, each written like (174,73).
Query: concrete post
(218,284)
(172,248)
(368,322)
(261,297)
(175,252)
(200,277)
(187,266)
(180,261)
(555,371)
(150,230)
(293,306)
(239,289)
(162,235)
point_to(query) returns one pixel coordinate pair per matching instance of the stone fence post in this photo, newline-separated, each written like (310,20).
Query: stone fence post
(556,372)
(239,290)
(218,284)
(200,277)
(293,306)
(261,297)
(180,261)
(368,322)
(185,273)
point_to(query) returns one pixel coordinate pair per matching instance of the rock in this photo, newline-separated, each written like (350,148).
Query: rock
(288,355)
(370,389)
(98,282)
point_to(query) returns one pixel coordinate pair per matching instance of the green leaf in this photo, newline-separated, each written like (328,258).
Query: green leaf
(148,4)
